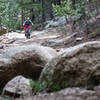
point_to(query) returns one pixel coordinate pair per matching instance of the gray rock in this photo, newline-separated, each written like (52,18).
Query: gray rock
(1,46)
(57,22)
(79,38)
(18,31)
(17,86)
(3,30)
(67,94)
(23,60)
(75,66)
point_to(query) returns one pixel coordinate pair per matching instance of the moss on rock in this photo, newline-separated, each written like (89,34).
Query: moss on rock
(97,32)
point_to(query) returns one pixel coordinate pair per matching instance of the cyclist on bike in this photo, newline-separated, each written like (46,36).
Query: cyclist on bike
(27,25)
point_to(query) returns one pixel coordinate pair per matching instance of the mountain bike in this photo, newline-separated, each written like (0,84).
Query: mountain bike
(27,33)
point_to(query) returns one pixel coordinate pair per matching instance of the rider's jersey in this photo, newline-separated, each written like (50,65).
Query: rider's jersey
(27,23)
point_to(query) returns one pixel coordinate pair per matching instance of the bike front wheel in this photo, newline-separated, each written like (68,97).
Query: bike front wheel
(27,34)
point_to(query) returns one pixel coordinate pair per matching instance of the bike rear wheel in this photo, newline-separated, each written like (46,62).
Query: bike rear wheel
(27,34)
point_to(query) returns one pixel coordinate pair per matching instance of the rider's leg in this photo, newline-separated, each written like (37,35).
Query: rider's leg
(29,29)
(25,30)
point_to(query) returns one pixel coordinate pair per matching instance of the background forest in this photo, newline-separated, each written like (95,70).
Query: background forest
(14,12)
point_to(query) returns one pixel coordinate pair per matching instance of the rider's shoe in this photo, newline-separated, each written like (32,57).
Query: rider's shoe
(27,36)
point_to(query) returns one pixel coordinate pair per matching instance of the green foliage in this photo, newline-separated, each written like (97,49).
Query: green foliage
(65,9)
(63,30)
(80,6)
(9,13)
(2,9)
(97,32)
(31,83)
(78,10)
(18,24)
(7,97)
(55,88)
(10,10)
(0,91)
(37,87)
(29,4)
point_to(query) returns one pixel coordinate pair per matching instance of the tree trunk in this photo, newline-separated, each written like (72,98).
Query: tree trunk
(73,3)
(57,2)
(50,8)
(32,14)
(22,16)
(0,24)
(96,6)
(22,13)
(43,10)
(9,14)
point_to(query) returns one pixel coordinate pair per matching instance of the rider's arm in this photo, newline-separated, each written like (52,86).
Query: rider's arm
(31,23)
(24,23)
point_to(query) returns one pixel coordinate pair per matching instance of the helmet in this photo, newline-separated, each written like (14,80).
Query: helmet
(28,18)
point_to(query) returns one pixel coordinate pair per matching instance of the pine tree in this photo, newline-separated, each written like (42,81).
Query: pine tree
(50,9)
(43,10)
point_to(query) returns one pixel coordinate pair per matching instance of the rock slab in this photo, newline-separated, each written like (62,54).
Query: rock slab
(17,86)
(26,60)
(75,66)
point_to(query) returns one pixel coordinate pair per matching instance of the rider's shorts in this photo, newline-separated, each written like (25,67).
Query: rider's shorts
(25,28)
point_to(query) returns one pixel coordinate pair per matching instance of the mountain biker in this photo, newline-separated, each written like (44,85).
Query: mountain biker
(27,24)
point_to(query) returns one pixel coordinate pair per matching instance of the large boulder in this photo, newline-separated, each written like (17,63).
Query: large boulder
(23,60)
(56,22)
(3,30)
(11,37)
(68,94)
(75,66)
(18,86)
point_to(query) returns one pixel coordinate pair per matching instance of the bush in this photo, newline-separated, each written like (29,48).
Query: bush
(37,87)
(94,34)
(0,91)
(18,24)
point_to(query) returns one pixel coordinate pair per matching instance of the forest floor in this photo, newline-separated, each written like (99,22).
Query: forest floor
(64,37)
(58,39)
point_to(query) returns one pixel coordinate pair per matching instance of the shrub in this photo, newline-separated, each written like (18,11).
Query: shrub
(97,32)
(37,87)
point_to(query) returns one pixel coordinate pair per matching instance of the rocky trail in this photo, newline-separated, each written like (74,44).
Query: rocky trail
(67,62)
(52,37)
